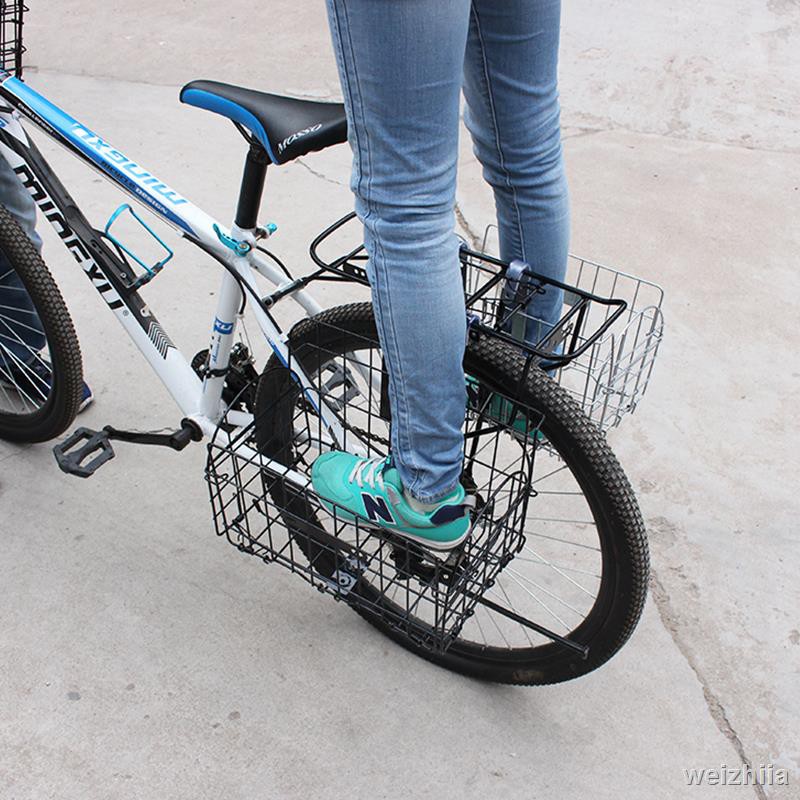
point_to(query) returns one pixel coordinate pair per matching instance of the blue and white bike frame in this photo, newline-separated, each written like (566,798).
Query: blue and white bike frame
(199,400)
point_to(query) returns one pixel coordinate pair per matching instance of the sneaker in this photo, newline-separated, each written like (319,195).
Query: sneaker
(370,489)
(87,398)
(33,381)
(501,409)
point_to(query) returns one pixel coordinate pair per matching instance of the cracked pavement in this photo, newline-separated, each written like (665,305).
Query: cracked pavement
(144,658)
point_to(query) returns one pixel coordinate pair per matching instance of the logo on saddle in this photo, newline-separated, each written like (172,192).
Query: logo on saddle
(295,136)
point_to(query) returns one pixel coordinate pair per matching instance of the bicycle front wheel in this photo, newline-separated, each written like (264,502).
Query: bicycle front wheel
(581,575)
(41,374)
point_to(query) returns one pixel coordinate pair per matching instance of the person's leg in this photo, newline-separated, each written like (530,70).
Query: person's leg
(401,66)
(18,318)
(510,84)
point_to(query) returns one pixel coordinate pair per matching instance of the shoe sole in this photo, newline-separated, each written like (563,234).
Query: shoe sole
(430,544)
(347,516)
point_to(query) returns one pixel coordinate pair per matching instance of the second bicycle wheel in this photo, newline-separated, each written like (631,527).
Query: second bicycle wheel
(581,575)
(41,375)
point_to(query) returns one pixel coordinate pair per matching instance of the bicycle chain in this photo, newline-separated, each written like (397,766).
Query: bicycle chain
(366,435)
(363,434)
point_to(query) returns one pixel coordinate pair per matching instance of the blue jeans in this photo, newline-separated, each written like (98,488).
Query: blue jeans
(21,332)
(403,64)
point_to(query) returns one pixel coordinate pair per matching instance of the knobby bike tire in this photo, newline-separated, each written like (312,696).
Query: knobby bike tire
(58,411)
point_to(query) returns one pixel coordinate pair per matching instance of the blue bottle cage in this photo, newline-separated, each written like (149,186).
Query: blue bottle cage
(149,271)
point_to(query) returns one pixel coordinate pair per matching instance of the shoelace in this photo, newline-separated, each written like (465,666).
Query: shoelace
(369,471)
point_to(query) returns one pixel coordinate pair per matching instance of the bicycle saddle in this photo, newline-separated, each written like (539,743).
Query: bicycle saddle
(285,126)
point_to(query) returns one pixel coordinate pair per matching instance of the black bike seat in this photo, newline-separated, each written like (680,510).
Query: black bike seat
(285,126)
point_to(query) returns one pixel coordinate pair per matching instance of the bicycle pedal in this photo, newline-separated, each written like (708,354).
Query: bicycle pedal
(83,452)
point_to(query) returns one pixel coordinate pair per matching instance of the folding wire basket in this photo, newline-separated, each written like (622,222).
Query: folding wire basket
(607,373)
(264,505)
(611,377)
(11,47)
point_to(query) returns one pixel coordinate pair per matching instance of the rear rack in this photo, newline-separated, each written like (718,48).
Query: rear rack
(498,294)
(352,265)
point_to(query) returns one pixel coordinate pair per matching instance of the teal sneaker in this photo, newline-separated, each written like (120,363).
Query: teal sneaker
(370,489)
(502,410)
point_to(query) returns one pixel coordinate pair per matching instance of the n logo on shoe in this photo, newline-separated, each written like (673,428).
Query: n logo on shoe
(376,509)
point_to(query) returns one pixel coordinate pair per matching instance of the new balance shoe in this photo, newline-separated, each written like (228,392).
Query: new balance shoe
(33,381)
(370,489)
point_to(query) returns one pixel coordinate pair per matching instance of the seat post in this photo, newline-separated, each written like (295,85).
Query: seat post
(255,172)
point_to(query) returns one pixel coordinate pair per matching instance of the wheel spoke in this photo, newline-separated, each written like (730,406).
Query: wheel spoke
(549,474)
(26,370)
(560,566)
(511,606)
(546,591)
(537,599)
(563,541)
(566,521)
(560,572)
(494,622)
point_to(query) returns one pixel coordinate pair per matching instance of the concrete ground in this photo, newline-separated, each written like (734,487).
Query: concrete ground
(143,658)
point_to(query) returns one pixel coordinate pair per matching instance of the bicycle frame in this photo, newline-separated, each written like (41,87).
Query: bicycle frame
(200,401)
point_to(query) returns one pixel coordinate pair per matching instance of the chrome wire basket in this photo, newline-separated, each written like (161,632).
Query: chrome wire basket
(610,379)
(610,376)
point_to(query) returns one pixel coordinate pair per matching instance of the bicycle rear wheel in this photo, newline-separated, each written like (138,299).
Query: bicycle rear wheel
(41,373)
(582,573)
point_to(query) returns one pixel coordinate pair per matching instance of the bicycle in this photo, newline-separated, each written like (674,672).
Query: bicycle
(532,455)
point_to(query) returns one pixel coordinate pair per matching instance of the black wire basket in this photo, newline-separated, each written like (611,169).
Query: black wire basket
(268,508)
(11,48)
